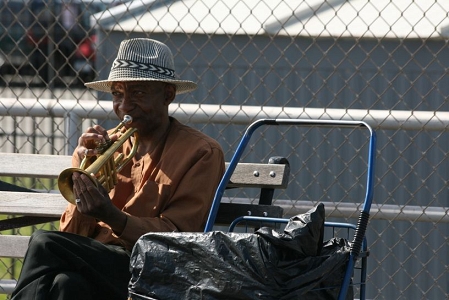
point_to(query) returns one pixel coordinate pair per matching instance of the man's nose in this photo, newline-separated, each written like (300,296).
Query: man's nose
(127,104)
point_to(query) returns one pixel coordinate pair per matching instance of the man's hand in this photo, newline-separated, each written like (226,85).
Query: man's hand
(95,202)
(89,141)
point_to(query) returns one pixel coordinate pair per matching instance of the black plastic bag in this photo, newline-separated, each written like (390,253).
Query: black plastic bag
(261,265)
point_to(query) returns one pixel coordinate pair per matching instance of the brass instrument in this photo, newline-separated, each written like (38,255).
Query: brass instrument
(105,167)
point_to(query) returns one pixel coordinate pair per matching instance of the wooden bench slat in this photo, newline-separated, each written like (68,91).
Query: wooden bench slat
(32,204)
(260,175)
(33,165)
(50,166)
(13,245)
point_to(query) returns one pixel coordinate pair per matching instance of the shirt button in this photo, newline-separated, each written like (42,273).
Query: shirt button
(137,165)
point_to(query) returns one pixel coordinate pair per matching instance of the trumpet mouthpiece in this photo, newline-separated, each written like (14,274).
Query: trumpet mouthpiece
(127,119)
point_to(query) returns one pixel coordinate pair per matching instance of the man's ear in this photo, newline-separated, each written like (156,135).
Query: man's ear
(170,93)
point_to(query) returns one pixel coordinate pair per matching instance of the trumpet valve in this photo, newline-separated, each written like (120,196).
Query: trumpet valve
(103,146)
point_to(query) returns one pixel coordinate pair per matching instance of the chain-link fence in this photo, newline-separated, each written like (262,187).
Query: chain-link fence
(381,61)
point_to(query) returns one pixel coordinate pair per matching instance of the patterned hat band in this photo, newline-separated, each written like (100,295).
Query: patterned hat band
(146,67)
(143,59)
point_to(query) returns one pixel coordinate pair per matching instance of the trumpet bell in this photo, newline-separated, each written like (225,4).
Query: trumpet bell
(65,183)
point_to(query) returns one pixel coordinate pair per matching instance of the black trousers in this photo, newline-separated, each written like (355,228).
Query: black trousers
(60,265)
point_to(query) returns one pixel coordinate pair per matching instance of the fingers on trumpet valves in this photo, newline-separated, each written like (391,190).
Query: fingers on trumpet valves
(89,152)
(103,139)
(86,152)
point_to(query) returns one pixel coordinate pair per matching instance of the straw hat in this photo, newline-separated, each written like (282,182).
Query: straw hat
(143,59)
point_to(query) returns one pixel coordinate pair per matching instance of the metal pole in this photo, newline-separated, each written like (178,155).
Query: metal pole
(226,114)
(72,130)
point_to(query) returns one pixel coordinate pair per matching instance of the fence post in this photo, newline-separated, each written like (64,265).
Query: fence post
(72,131)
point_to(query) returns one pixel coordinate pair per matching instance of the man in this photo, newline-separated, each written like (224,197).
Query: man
(168,186)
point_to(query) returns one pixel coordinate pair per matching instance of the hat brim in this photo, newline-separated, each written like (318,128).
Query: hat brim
(182,86)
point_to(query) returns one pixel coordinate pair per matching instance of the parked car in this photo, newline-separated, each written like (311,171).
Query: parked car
(49,38)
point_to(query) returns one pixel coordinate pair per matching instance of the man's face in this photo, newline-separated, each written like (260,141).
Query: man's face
(146,102)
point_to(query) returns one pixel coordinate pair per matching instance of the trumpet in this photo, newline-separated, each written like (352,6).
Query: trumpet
(105,167)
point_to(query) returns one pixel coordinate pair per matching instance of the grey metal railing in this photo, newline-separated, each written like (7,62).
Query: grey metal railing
(75,111)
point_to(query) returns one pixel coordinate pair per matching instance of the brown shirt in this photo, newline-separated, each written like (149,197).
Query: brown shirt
(170,189)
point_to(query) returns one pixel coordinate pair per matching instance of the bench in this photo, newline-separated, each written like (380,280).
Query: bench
(30,207)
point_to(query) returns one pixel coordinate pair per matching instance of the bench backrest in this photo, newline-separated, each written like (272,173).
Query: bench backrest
(256,175)
(36,208)
(41,207)
(266,177)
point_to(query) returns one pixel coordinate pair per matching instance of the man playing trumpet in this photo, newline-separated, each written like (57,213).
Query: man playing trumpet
(167,186)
